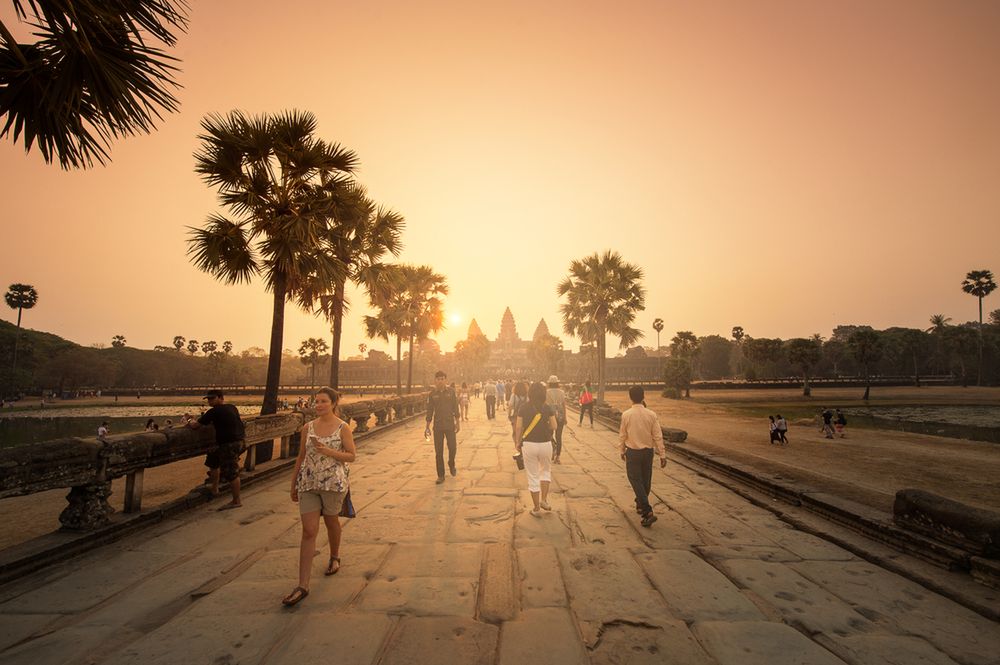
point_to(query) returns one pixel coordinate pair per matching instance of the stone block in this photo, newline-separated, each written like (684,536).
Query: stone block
(541,635)
(442,641)
(421,596)
(540,578)
(760,643)
(497,595)
(973,529)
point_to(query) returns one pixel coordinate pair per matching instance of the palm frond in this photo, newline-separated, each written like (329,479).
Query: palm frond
(222,250)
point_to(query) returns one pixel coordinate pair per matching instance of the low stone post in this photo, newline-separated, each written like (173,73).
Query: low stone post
(133,491)
(361,421)
(251,460)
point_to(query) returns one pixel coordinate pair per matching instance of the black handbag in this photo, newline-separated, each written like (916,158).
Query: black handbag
(347,507)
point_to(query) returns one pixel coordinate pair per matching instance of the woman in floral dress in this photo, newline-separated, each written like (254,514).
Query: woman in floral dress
(319,485)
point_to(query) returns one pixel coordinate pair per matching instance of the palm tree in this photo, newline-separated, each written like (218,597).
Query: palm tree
(866,345)
(738,334)
(209,347)
(179,343)
(310,352)
(359,235)
(423,309)
(227,347)
(280,182)
(192,346)
(95,73)
(658,327)
(362,348)
(938,323)
(20,297)
(118,341)
(603,294)
(389,322)
(979,283)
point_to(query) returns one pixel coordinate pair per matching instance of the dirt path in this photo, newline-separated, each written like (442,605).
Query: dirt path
(868,466)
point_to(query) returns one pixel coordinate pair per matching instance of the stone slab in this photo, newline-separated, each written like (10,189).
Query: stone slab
(540,578)
(388,528)
(760,643)
(497,600)
(605,585)
(800,602)
(548,528)
(441,641)
(694,590)
(905,606)
(599,521)
(886,650)
(759,552)
(420,596)
(541,635)
(344,638)
(264,597)
(17,627)
(230,638)
(668,642)
(433,560)
(482,519)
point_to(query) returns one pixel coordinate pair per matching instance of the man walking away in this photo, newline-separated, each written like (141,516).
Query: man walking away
(501,396)
(490,392)
(224,462)
(827,423)
(639,434)
(442,408)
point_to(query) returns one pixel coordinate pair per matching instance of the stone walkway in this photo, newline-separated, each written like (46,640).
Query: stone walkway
(463,573)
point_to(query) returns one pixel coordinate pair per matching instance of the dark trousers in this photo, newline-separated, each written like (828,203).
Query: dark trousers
(639,467)
(491,407)
(439,437)
(587,408)
(557,438)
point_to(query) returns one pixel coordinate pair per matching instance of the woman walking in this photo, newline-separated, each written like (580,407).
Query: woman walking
(556,398)
(533,430)
(463,401)
(319,485)
(519,396)
(586,402)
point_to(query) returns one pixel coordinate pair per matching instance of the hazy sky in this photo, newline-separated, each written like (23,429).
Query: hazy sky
(782,165)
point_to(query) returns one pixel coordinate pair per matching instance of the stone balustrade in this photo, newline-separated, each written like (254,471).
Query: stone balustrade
(88,465)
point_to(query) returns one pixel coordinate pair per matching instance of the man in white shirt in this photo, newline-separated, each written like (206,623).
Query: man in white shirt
(638,435)
(490,393)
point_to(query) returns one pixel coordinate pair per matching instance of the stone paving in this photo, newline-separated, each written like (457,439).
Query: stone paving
(463,573)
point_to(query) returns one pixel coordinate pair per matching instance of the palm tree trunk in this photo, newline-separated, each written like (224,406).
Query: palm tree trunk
(868,384)
(979,375)
(916,371)
(399,365)
(338,329)
(270,404)
(17,340)
(409,371)
(806,390)
(601,341)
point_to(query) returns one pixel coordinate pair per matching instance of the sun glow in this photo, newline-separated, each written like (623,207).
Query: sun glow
(454,318)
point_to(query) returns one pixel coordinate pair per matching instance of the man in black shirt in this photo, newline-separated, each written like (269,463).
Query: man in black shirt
(223,462)
(442,408)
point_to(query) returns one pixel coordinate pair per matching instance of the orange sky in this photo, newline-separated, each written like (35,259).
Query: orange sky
(782,165)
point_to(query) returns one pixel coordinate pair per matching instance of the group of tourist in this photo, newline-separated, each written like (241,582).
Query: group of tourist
(833,422)
(320,483)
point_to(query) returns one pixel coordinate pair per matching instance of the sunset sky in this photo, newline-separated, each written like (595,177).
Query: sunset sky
(782,165)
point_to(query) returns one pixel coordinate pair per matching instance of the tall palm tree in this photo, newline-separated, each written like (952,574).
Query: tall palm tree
(20,297)
(867,347)
(359,236)
(603,295)
(96,72)
(738,334)
(310,352)
(179,342)
(979,283)
(389,322)
(658,327)
(422,306)
(278,180)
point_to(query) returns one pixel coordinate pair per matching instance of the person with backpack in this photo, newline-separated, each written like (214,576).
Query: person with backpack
(586,402)
(556,398)
(533,429)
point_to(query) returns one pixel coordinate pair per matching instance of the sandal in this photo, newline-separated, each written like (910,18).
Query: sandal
(330,570)
(297,594)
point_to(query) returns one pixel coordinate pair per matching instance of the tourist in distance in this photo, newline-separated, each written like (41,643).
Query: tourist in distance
(782,426)
(319,485)
(224,462)
(102,430)
(586,402)
(443,409)
(639,434)
(490,393)
(556,398)
(508,391)
(463,401)
(149,425)
(827,423)
(501,396)
(840,422)
(533,428)
(773,427)
(476,388)
(519,396)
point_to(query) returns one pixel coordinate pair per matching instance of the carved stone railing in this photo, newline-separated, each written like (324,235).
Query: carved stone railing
(87,465)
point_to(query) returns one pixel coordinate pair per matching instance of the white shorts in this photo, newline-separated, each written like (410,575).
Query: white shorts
(537,463)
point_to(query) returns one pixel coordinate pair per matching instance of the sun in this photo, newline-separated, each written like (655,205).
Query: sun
(454,318)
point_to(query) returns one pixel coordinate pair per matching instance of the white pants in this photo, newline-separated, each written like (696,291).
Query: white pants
(537,463)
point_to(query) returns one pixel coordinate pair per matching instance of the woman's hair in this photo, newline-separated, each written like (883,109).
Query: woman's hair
(149,423)
(536,395)
(521,389)
(332,394)
(772,418)
(464,386)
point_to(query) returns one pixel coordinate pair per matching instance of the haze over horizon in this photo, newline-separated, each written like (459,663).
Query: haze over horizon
(787,167)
